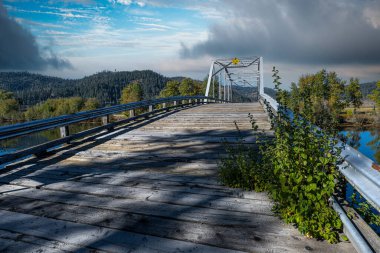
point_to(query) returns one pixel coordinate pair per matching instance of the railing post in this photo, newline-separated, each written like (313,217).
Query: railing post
(131,113)
(106,121)
(164,105)
(64,131)
(175,103)
(190,101)
(150,108)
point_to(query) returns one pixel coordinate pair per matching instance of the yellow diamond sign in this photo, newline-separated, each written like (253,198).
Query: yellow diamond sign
(235,61)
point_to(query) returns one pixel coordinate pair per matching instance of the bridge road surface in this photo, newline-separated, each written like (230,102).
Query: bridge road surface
(150,186)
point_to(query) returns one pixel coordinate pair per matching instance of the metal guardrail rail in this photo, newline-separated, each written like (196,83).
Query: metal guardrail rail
(62,122)
(360,173)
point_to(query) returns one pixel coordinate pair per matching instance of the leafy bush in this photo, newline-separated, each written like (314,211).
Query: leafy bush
(298,169)
(244,167)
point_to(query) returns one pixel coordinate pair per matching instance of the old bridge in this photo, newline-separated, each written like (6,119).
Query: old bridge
(149,183)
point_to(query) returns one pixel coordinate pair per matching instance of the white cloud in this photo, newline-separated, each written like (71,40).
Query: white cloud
(153,25)
(128,2)
(373,17)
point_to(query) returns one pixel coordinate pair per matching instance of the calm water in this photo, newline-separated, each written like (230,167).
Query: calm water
(366,141)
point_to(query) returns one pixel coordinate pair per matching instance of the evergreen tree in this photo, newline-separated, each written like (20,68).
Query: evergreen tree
(375,95)
(353,93)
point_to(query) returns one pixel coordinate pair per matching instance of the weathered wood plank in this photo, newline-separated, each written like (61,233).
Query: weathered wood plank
(99,238)
(13,242)
(134,182)
(158,226)
(172,211)
(171,197)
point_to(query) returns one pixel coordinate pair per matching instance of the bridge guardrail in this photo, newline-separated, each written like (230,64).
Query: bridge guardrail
(16,130)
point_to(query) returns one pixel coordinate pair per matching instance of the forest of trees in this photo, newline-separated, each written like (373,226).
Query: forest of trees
(10,107)
(30,89)
(60,106)
(328,96)
(26,96)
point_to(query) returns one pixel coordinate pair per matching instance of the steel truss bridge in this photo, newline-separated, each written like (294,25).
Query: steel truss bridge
(242,72)
(147,182)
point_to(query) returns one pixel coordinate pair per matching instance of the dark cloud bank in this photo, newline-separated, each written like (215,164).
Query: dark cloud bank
(295,31)
(19,49)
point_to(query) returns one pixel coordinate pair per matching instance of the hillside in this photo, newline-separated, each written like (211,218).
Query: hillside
(106,86)
(366,88)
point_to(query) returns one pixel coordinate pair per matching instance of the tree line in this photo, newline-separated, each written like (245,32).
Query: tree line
(10,107)
(25,96)
(30,89)
(322,97)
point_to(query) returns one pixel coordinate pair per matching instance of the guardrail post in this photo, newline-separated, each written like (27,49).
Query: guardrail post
(105,121)
(190,101)
(131,113)
(175,103)
(150,108)
(64,131)
(163,105)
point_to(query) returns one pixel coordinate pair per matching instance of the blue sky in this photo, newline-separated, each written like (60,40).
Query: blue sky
(74,38)
(108,35)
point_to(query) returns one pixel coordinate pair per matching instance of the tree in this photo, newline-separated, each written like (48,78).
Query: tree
(187,87)
(131,93)
(353,93)
(9,106)
(375,95)
(91,104)
(170,89)
(60,106)
(324,93)
(5,95)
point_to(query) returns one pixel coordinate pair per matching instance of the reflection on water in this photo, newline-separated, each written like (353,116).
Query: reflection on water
(366,141)
(22,142)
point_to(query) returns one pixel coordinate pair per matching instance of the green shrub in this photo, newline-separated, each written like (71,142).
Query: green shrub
(298,169)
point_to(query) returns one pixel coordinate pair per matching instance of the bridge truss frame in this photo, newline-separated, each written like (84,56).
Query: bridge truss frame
(225,73)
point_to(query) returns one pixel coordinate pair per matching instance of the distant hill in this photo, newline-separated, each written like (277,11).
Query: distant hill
(249,94)
(367,88)
(106,86)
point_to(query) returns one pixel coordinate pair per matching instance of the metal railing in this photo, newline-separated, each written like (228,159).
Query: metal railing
(63,122)
(359,171)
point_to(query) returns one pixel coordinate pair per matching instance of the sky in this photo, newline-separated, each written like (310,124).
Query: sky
(75,38)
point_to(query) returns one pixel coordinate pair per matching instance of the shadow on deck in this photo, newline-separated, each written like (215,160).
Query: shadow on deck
(141,190)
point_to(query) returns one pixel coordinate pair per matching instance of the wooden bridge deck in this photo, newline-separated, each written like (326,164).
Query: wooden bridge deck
(149,187)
